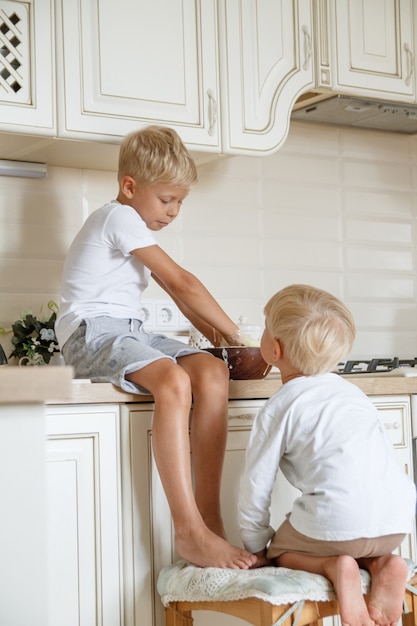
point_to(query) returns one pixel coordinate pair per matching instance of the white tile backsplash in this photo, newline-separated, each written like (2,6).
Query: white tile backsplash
(381,286)
(381,232)
(378,259)
(377,174)
(336,208)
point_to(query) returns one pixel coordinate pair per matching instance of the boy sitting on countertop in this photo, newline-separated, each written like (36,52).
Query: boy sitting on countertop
(101,335)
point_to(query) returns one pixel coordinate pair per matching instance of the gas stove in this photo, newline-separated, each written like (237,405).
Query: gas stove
(373,367)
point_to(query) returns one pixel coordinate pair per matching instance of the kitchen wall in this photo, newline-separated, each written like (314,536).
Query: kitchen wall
(334,207)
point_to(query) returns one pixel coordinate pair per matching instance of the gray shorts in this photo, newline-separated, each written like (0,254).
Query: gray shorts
(287,539)
(105,349)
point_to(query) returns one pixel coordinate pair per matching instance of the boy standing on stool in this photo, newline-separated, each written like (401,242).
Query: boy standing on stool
(101,334)
(356,504)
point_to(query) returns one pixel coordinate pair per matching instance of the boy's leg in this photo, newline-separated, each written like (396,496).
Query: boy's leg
(210,384)
(171,389)
(343,572)
(389,575)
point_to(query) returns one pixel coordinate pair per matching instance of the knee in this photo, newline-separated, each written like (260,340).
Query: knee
(212,375)
(218,368)
(175,385)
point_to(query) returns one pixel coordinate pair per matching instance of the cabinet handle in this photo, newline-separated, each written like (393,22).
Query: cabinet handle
(308,49)
(410,63)
(394,425)
(212,111)
(243,416)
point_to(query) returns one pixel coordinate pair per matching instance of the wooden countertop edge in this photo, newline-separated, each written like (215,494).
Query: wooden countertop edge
(54,385)
(106,393)
(35,385)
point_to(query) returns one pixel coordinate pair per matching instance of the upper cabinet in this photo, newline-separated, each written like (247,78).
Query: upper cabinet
(224,73)
(266,63)
(157,62)
(129,64)
(27,84)
(368,49)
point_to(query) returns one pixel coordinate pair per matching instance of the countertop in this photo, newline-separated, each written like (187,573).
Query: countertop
(86,392)
(54,385)
(35,385)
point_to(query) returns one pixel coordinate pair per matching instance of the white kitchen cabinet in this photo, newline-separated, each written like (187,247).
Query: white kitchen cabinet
(147,530)
(371,48)
(134,63)
(83,511)
(266,63)
(109,525)
(23,534)
(158,63)
(395,414)
(140,507)
(27,83)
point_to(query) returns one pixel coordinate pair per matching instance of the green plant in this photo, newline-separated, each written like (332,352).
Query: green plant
(34,339)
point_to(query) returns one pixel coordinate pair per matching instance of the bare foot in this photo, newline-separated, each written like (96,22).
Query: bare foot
(343,571)
(389,575)
(206,549)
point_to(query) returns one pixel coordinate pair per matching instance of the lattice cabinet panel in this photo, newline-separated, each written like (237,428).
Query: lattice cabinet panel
(27,66)
(14,51)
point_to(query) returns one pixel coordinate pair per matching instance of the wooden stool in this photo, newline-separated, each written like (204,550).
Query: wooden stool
(268,610)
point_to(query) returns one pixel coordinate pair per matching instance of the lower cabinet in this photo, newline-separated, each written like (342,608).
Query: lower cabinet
(110,529)
(83,481)
(146,519)
(148,543)
(395,414)
(148,540)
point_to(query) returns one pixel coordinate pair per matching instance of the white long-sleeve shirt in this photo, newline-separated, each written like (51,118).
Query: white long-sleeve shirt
(326,436)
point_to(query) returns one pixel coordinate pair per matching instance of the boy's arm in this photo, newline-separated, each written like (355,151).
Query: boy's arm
(205,329)
(191,296)
(263,454)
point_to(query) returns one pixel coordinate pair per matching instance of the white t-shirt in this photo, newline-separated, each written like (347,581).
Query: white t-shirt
(101,276)
(326,437)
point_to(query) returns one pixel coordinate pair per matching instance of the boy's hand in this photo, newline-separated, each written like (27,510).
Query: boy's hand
(240,339)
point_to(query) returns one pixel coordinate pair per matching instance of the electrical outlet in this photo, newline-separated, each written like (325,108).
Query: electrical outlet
(147,314)
(161,315)
(166,315)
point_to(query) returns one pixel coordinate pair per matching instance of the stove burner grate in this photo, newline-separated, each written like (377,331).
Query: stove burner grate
(375,365)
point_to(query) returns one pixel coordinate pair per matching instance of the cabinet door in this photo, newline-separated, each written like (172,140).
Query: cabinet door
(27,100)
(83,516)
(130,64)
(373,47)
(395,414)
(147,529)
(147,532)
(267,63)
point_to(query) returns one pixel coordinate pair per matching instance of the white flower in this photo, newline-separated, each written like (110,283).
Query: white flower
(47,334)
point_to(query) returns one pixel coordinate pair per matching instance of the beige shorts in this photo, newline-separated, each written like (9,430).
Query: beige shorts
(287,539)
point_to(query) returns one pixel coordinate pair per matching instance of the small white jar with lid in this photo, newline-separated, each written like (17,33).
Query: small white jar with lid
(252,330)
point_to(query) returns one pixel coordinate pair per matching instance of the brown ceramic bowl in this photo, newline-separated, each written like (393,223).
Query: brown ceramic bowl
(243,363)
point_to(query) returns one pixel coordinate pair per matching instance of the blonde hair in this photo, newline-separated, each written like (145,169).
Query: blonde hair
(315,329)
(156,154)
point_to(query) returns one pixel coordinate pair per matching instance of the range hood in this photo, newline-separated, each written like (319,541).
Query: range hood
(357,112)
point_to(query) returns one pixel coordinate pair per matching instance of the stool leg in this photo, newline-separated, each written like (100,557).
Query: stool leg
(176,617)
(410,618)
